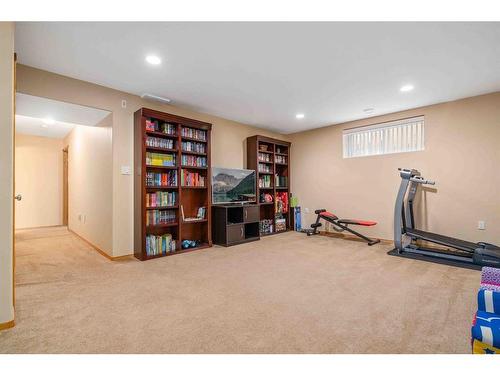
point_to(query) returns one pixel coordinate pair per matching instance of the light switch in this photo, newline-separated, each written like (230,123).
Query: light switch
(125,170)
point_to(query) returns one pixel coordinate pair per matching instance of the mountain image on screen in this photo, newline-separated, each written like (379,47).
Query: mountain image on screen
(233,185)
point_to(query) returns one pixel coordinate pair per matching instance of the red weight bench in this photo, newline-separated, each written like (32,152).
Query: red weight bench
(341,225)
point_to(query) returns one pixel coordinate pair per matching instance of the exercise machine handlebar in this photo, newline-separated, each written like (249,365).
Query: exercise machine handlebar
(423,181)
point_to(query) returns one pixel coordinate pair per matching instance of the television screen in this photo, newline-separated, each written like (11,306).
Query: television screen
(233,185)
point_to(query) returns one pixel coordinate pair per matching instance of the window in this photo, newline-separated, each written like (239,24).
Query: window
(386,138)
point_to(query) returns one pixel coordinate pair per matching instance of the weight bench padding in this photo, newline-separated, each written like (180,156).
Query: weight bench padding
(328,215)
(365,223)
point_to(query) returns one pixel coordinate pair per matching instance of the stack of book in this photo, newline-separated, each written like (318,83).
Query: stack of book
(281,181)
(194,161)
(280,159)
(161,160)
(264,157)
(161,179)
(167,144)
(192,179)
(156,217)
(153,125)
(264,168)
(161,199)
(194,147)
(264,181)
(156,245)
(194,133)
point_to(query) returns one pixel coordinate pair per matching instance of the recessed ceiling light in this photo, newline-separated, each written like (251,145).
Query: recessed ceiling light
(299,115)
(406,88)
(48,121)
(153,60)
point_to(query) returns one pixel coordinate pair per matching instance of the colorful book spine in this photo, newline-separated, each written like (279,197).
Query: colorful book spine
(265,181)
(154,179)
(192,179)
(194,147)
(161,199)
(160,160)
(167,144)
(193,161)
(157,217)
(157,245)
(194,133)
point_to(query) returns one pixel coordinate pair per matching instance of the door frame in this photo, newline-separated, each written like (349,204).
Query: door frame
(65,200)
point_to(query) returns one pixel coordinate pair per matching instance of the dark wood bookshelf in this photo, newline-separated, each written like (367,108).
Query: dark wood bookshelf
(190,197)
(270,148)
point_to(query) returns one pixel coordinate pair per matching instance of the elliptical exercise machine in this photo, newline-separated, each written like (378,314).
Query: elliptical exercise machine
(460,252)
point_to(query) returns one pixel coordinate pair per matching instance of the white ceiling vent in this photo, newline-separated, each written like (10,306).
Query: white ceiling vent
(155,98)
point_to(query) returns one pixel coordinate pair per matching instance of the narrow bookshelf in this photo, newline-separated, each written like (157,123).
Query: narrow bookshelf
(271,160)
(171,184)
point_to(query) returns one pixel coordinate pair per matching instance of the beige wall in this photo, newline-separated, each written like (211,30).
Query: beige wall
(6,172)
(462,153)
(228,136)
(39,181)
(90,183)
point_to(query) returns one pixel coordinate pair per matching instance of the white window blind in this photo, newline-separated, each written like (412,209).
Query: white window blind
(386,138)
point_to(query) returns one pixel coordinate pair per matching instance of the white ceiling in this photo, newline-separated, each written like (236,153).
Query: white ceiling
(263,74)
(31,111)
(36,126)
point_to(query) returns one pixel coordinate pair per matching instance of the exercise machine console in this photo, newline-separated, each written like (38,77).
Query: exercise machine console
(406,234)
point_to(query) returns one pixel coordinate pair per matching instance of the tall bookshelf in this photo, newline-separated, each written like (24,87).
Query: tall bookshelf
(271,160)
(172,177)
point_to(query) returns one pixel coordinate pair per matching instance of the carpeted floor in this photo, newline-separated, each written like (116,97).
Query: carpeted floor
(284,294)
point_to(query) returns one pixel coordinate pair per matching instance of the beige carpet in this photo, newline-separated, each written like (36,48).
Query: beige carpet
(284,294)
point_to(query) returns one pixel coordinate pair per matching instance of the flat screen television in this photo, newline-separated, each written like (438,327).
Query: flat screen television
(233,185)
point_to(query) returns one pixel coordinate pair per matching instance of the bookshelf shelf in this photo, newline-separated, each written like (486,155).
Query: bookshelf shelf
(193,139)
(274,218)
(160,134)
(192,167)
(194,221)
(194,153)
(156,241)
(161,187)
(165,225)
(162,208)
(160,166)
(161,149)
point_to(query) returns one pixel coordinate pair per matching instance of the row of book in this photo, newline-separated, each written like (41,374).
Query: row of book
(265,181)
(160,142)
(153,125)
(192,179)
(161,179)
(265,168)
(281,181)
(157,159)
(155,217)
(161,199)
(280,159)
(194,161)
(157,245)
(194,147)
(194,133)
(264,157)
